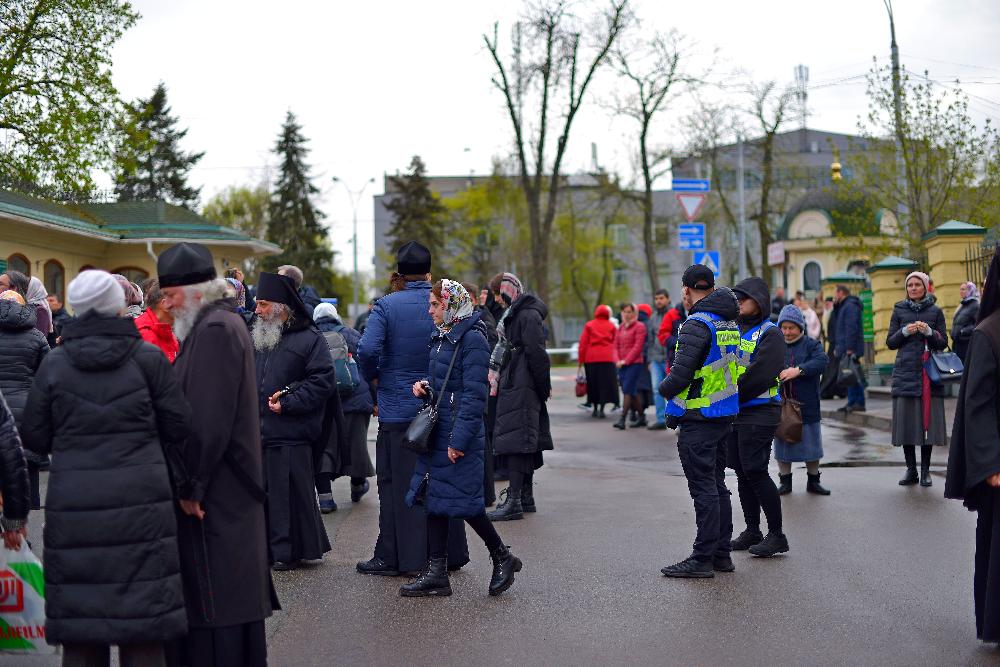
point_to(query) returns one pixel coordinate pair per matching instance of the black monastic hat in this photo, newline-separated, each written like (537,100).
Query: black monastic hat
(280,289)
(185,264)
(413,258)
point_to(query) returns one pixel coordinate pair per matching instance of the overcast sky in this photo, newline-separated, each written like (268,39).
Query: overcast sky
(376,82)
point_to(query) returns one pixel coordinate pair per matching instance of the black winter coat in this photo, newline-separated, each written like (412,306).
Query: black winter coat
(908,369)
(522,421)
(807,354)
(963,325)
(13,469)
(106,405)
(849,334)
(768,359)
(694,342)
(22,348)
(302,362)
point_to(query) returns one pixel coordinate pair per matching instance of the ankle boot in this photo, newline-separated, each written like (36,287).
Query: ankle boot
(813,485)
(508,510)
(772,544)
(909,477)
(785,485)
(925,476)
(432,581)
(620,423)
(528,498)
(596,412)
(505,564)
(600,411)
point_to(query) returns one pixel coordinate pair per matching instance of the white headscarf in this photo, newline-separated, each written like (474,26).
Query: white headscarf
(36,297)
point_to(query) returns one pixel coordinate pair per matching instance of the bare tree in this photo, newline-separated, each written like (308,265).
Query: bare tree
(549,60)
(650,68)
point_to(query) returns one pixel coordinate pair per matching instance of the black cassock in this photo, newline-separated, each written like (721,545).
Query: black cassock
(975,456)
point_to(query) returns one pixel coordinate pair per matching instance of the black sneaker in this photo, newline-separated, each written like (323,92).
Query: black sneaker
(377,567)
(285,566)
(689,568)
(723,564)
(747,539)
(773,544)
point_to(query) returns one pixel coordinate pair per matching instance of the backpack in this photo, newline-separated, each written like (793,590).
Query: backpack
(343,363)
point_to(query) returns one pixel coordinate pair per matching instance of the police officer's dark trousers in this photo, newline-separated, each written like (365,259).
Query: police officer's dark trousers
(749,448)
(701,446)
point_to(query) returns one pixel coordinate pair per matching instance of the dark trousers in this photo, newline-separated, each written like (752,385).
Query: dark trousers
(749,451)
(438,528)
(147,654)
(402,530)
(986,581)
(701,446)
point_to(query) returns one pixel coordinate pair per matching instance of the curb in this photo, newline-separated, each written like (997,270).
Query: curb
(859,419)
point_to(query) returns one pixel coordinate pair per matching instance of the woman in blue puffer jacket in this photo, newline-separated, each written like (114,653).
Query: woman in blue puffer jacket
(448,480)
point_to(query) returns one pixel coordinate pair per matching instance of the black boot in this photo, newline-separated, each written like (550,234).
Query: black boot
(925,465)
(505,564)
(378,567)
(813,485)
(433,581)
(925,476)
(640,421)
(774,543)
(600,411)
(528,498)
(747,539)
(785,486)
(620,423)
(509,509)
(909,477)
(596,413)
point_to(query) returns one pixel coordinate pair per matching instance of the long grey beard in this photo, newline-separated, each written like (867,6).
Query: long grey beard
(184,321)
(265,334)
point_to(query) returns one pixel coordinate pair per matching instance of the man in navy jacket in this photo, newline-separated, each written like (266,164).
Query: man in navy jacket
(393,354)
(850,341)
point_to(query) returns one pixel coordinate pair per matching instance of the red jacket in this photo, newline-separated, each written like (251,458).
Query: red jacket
(597,342)
(630,342)
(667,326)
(159,334)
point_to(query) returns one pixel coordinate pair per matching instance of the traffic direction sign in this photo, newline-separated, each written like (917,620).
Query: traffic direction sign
(691,203)
(690,185)
(691,236)
(709,258)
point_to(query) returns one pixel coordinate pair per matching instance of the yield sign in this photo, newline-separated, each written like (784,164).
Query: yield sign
(691,202)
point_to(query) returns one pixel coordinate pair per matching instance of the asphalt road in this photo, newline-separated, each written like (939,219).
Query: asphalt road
(877,574)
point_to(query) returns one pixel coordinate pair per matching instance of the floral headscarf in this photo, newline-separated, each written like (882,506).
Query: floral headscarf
(971,291)
(457,304)
(241,294)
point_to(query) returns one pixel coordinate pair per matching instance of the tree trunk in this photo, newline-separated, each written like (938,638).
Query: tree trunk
(647,213)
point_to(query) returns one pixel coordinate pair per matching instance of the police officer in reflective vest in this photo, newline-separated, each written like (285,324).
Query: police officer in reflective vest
(761,359)
(702,402)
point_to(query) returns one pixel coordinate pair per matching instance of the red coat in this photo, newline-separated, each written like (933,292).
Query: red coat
(597,342)
(667,326)
(630,342)
(159,334)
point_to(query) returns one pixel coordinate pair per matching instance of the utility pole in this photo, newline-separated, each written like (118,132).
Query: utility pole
(355,196)
(742,209)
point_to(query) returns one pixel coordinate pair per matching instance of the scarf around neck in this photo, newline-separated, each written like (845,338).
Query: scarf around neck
(917,306)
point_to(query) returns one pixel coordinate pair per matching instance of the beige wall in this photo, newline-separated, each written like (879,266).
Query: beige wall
(74,251)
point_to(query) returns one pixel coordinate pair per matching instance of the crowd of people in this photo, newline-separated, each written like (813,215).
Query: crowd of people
(193,429)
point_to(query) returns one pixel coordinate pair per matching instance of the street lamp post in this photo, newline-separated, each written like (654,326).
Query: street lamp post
(355,196)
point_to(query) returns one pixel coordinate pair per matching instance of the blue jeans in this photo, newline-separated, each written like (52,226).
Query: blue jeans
(856,395)
(658,369)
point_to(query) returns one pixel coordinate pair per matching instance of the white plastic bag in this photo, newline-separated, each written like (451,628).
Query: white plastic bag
(22,602)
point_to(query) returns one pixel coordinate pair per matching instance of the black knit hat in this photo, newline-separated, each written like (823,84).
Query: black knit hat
(413,259)
(698,276)
(280,289)
(185,264)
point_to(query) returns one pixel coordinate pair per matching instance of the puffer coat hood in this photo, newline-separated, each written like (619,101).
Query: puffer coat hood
(756,289)
(15,317)
(22,349)
(602,312)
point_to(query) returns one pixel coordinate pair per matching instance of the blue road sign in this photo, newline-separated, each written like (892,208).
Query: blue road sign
(709,258)
(690,185)
(691,236)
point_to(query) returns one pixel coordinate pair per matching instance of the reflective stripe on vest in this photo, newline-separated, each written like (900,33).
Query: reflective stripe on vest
(748,348)
(719,396)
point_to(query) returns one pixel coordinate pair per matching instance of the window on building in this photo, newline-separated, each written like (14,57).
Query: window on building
(812,274)
(618,235)
(134,274)
(55,279)
(619,276)
(17,262)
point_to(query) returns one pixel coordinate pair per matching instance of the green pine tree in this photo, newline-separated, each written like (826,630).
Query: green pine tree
(149,162)
(418,214)
(294,220)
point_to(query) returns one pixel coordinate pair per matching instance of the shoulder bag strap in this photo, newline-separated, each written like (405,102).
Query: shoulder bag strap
(444,386)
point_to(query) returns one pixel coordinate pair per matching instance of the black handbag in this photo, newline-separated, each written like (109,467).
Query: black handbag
(848,373)
(419,432)
(944,368)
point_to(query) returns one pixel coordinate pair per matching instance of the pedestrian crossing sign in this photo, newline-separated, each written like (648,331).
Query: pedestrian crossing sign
(709,258)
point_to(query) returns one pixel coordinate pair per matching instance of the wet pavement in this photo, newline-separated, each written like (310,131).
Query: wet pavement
(877,573)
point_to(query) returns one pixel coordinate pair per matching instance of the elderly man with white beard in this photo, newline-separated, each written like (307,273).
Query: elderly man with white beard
(295,382)
(222,534)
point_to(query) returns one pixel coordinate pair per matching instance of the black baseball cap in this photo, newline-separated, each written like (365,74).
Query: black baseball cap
(699,277)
